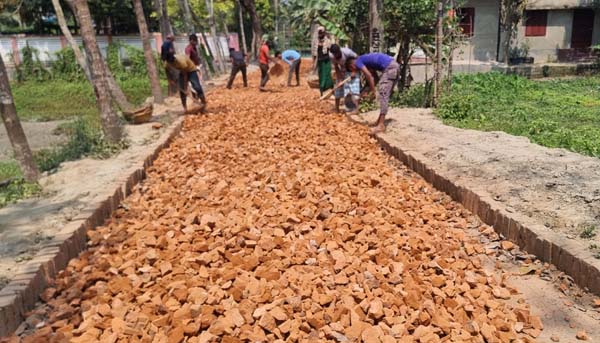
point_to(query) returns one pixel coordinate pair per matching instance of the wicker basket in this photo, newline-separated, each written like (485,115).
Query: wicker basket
(140,115)
(313,82)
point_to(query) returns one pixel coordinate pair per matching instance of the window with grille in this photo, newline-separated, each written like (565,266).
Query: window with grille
(466,20)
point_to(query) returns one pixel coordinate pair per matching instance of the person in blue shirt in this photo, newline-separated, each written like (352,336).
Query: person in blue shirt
(293,58)
(389,69)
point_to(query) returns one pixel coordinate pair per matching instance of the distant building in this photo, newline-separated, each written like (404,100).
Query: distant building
(552,31)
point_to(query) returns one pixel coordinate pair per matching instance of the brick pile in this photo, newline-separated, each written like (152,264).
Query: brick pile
(271,221)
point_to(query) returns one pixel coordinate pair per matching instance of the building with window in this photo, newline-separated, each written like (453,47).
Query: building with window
(551,31)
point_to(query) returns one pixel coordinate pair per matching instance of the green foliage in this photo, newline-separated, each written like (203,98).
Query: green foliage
(555,113)
(588,232)
(9,170)
(63,99)
(85,139)
(65,66)
(16,190)
(31,68)
(352,16)
(417,96)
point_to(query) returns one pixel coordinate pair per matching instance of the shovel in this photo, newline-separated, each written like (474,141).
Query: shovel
(330,92)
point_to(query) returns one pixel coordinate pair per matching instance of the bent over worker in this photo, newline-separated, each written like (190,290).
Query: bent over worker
(188,73)
(378,62)
(291,57)
(339,58)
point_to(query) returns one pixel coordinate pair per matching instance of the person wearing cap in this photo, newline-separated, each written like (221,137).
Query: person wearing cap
(321,55)
(188,73)
(167,52)
(389,69)
(291,57)
(239,61)
(263,58)
(339,56)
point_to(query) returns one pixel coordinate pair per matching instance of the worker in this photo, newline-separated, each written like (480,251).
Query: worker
(389,69)
(321,56)
(339,57)
(293,58)
(167,51)
(264,58)
(239,61)
(188,73)
(191,50)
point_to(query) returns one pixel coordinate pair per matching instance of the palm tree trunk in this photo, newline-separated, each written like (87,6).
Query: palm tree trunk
(108,117)
(160,6)
(375,26)
(184,6)
(62,22)
(439,35)
(115,91)
(250,6)
(148,52)
(242,31)
(215,37)
(16,135)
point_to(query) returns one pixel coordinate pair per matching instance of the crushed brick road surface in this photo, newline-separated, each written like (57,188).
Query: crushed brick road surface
(272,220)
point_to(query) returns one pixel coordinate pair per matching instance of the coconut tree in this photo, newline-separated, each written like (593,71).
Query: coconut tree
(108,117)
(148,52)
(16,135)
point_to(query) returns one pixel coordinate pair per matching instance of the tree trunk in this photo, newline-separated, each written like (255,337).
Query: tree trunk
(184,6)
(16,135)
(439,36)
(67,33)
(375,26)
(404,59)
(507,39)
(250,6)
(115,91)
(215,37)
(148,52)
(160,6)
(242,31)
(108,117)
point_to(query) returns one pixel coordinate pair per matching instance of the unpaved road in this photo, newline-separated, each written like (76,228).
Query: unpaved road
(272,220)
(40,135)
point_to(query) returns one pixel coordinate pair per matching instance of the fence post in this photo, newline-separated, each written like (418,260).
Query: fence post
(63,42)
(15,51)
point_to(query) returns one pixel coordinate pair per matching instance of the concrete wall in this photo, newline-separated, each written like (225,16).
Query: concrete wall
(482,45)
(558,36)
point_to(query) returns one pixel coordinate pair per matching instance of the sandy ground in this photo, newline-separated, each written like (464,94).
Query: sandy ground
(40,135)
(554,187)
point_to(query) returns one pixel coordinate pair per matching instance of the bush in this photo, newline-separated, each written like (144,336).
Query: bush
(554,113)
(85,139)
(16,190)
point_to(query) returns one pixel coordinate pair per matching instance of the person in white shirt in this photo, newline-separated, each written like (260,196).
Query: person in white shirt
(339,56)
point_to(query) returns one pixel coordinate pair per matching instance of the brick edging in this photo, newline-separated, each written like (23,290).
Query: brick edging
(570,257)
(22,293)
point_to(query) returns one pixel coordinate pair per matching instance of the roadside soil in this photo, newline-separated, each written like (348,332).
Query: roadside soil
(40,135)
(555,188)
(271,219)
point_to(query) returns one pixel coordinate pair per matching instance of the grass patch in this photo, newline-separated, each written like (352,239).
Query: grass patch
(557,113)
(58,99)
(85,139)
(18,188)
(588,232)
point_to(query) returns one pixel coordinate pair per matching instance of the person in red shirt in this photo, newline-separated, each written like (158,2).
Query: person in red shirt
(263,58)
(192,50)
